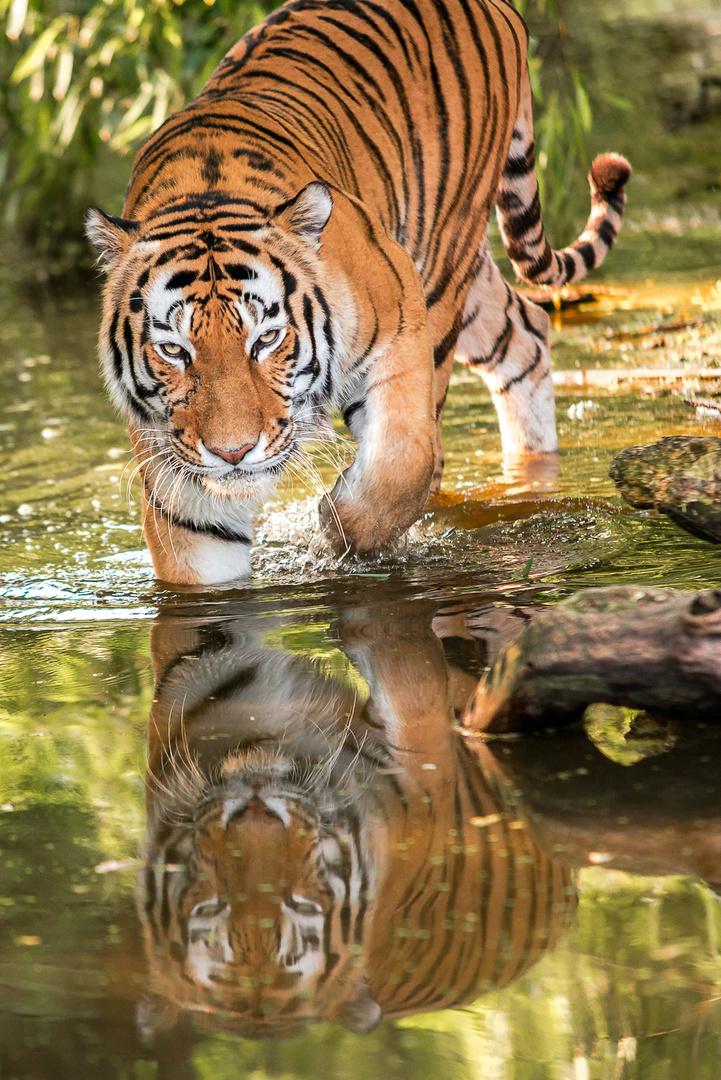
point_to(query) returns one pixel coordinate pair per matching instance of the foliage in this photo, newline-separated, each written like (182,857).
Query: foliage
(85,82)
(563,110)
(72,719)
(79,77)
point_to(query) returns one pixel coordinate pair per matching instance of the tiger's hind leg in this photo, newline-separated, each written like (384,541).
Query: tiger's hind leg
(504,337)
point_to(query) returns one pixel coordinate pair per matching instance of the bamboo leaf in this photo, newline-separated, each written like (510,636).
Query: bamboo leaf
(583,105)
(124,138)
(64,74)
(37,53)
(16,19)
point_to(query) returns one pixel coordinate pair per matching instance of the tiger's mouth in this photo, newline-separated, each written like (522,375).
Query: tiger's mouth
(236,481)
(243,471)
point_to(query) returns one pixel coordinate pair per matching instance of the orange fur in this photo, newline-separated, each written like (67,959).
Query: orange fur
(310,233)
(428,888)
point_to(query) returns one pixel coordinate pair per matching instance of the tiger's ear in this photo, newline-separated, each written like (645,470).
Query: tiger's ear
(154,1016)
(362,1013)
(110,236)
(307,214)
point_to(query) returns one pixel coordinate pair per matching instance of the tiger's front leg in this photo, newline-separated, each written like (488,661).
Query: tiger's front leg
(392,416)
(204,544)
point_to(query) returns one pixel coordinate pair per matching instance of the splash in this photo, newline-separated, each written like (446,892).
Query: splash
(290,547)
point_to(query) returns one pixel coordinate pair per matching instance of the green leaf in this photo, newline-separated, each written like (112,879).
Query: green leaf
(37,53)
(582,103)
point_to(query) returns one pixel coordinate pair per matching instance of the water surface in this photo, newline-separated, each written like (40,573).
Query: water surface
(546,907)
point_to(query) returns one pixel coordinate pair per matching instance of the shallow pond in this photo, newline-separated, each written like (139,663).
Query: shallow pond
(541,908)
(546,907)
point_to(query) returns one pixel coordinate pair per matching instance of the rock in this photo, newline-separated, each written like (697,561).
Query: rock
(680,476)
(653,649)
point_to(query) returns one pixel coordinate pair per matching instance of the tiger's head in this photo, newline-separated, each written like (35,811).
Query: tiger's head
(304,858)
(218,340)
(253,901)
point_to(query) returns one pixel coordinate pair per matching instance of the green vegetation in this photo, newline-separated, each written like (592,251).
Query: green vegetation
(83,84)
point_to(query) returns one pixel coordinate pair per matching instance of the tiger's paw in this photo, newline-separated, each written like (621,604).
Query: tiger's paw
(349,526)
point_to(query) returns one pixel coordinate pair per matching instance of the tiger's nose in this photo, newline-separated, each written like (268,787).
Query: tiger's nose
(232,456)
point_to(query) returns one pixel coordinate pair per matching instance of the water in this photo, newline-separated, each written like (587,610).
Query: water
(546,907)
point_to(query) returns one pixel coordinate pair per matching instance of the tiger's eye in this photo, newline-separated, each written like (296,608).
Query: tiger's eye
(172,350)
(268,336)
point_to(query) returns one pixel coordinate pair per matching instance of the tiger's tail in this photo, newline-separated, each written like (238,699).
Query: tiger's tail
(518,208)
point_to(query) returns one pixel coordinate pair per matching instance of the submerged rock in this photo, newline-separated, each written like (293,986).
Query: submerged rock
(680,476)
(555,541)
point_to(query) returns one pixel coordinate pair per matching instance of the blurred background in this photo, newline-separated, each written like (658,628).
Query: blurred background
(83,84)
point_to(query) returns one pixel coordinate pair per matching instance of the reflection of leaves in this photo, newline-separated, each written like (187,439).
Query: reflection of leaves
(610,980)
(66,733)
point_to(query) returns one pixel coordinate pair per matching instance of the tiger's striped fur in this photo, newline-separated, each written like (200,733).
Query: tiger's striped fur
(316,853)
(310,233)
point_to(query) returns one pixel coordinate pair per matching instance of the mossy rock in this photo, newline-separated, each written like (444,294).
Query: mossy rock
(680,476)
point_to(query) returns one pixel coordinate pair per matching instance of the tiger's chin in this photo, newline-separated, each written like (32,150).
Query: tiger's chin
(248,488)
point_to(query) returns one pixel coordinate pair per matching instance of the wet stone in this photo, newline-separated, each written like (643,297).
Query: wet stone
(680,476)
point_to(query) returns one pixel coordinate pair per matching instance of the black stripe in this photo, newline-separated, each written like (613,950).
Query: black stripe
(213,639)
(520,166)
(117,355)
(312,367)
(587,253)
(131,402)
(329,340)
(239,273)
(219,532)
(500,348)
(350,411)
(523,374)
(538,334)
(444,347)
(607,233)
(569,265)
(181,279)
(240,680)
(141,392)
(537,268)
(517,222)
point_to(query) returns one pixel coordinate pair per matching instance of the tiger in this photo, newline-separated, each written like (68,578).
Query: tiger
(308,236)
(321,848)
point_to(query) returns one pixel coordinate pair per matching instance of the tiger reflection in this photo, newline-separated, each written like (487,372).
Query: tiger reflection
(318,851)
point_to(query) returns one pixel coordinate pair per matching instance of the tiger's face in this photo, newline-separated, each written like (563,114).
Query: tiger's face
(218,341)
(265,880)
